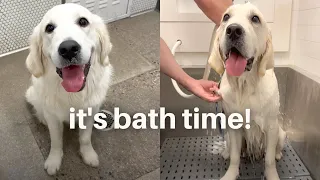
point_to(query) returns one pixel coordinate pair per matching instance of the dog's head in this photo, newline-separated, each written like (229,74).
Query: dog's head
(67,41)
(242,41)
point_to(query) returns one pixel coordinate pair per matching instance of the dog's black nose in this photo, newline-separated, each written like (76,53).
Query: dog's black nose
(234,31)
(69,49)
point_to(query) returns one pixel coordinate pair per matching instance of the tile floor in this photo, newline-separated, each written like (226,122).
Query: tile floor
(124,154)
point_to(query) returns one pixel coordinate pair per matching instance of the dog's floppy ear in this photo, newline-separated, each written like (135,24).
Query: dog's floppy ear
(35,59)
(215,59)
(104,40)
(266,59)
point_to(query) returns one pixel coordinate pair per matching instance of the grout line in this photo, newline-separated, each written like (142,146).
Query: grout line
(131,47)
(309,41)
(311,25)
(308,9)
(153,171)
(303,25)
(131,77)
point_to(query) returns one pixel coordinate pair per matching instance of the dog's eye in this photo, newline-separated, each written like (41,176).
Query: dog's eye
(83,22)
(226,17)
(255,19)
(50,28)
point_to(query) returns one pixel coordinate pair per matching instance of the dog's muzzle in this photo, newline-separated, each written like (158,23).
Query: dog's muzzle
(73,73)
(74,77)
(237,60)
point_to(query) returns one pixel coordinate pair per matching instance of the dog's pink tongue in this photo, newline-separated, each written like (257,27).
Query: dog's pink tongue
(235,64)
(73,78)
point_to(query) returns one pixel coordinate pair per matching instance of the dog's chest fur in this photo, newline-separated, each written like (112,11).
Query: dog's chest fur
(56,100)
(261,96)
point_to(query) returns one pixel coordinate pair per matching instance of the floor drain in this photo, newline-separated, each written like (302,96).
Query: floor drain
(198,158)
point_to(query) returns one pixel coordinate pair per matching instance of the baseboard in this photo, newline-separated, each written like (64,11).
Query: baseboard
(143,12)
(13,52)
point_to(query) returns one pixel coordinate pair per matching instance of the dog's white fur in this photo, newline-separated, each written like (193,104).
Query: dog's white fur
(256,90)
(50,100)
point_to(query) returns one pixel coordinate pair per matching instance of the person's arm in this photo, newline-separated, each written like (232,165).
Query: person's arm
(201,88)
(214,9)
(170,67)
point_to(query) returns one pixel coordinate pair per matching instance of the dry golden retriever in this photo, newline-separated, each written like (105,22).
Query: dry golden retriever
(70,67)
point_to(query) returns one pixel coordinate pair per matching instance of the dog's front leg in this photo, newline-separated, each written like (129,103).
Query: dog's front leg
(55,126)
(270,163)
(88,154)
(235,137)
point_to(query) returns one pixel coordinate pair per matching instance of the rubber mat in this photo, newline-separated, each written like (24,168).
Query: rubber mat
(198,158)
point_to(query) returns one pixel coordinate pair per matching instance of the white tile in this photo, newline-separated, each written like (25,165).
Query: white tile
(308,64)
(309,17)
(282,59)
(294,51)
(302,32)
(308,4)
(294,29)
(295,5)
(294,58)
(312,33)
(310,49)
(294,18)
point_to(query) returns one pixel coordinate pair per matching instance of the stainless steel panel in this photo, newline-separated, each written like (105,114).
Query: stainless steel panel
(300,102)
(302,112)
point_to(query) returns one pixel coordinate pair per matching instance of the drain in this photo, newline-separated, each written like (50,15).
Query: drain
(198,158)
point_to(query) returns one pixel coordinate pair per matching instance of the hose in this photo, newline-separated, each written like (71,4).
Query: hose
(206,71)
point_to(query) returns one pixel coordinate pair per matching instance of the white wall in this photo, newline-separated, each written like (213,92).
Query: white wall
(195,30)
(306,38)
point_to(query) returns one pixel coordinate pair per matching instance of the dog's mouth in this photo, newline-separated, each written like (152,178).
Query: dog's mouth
(236,63)
(74,76)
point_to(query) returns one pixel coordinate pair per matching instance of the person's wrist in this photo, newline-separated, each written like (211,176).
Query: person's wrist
(188,82)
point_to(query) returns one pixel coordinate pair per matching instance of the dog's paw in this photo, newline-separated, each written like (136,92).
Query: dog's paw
(53,163)
(225,154)
(89,156)
(231,174)
(271,173)
(279,156)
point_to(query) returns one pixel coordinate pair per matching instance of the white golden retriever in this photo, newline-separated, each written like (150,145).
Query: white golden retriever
(70,67)
(243,48)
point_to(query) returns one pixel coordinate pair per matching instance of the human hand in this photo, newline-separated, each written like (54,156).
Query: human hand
(204,89)
(214,9)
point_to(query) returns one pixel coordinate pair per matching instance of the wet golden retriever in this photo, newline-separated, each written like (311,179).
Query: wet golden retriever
(243,49)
